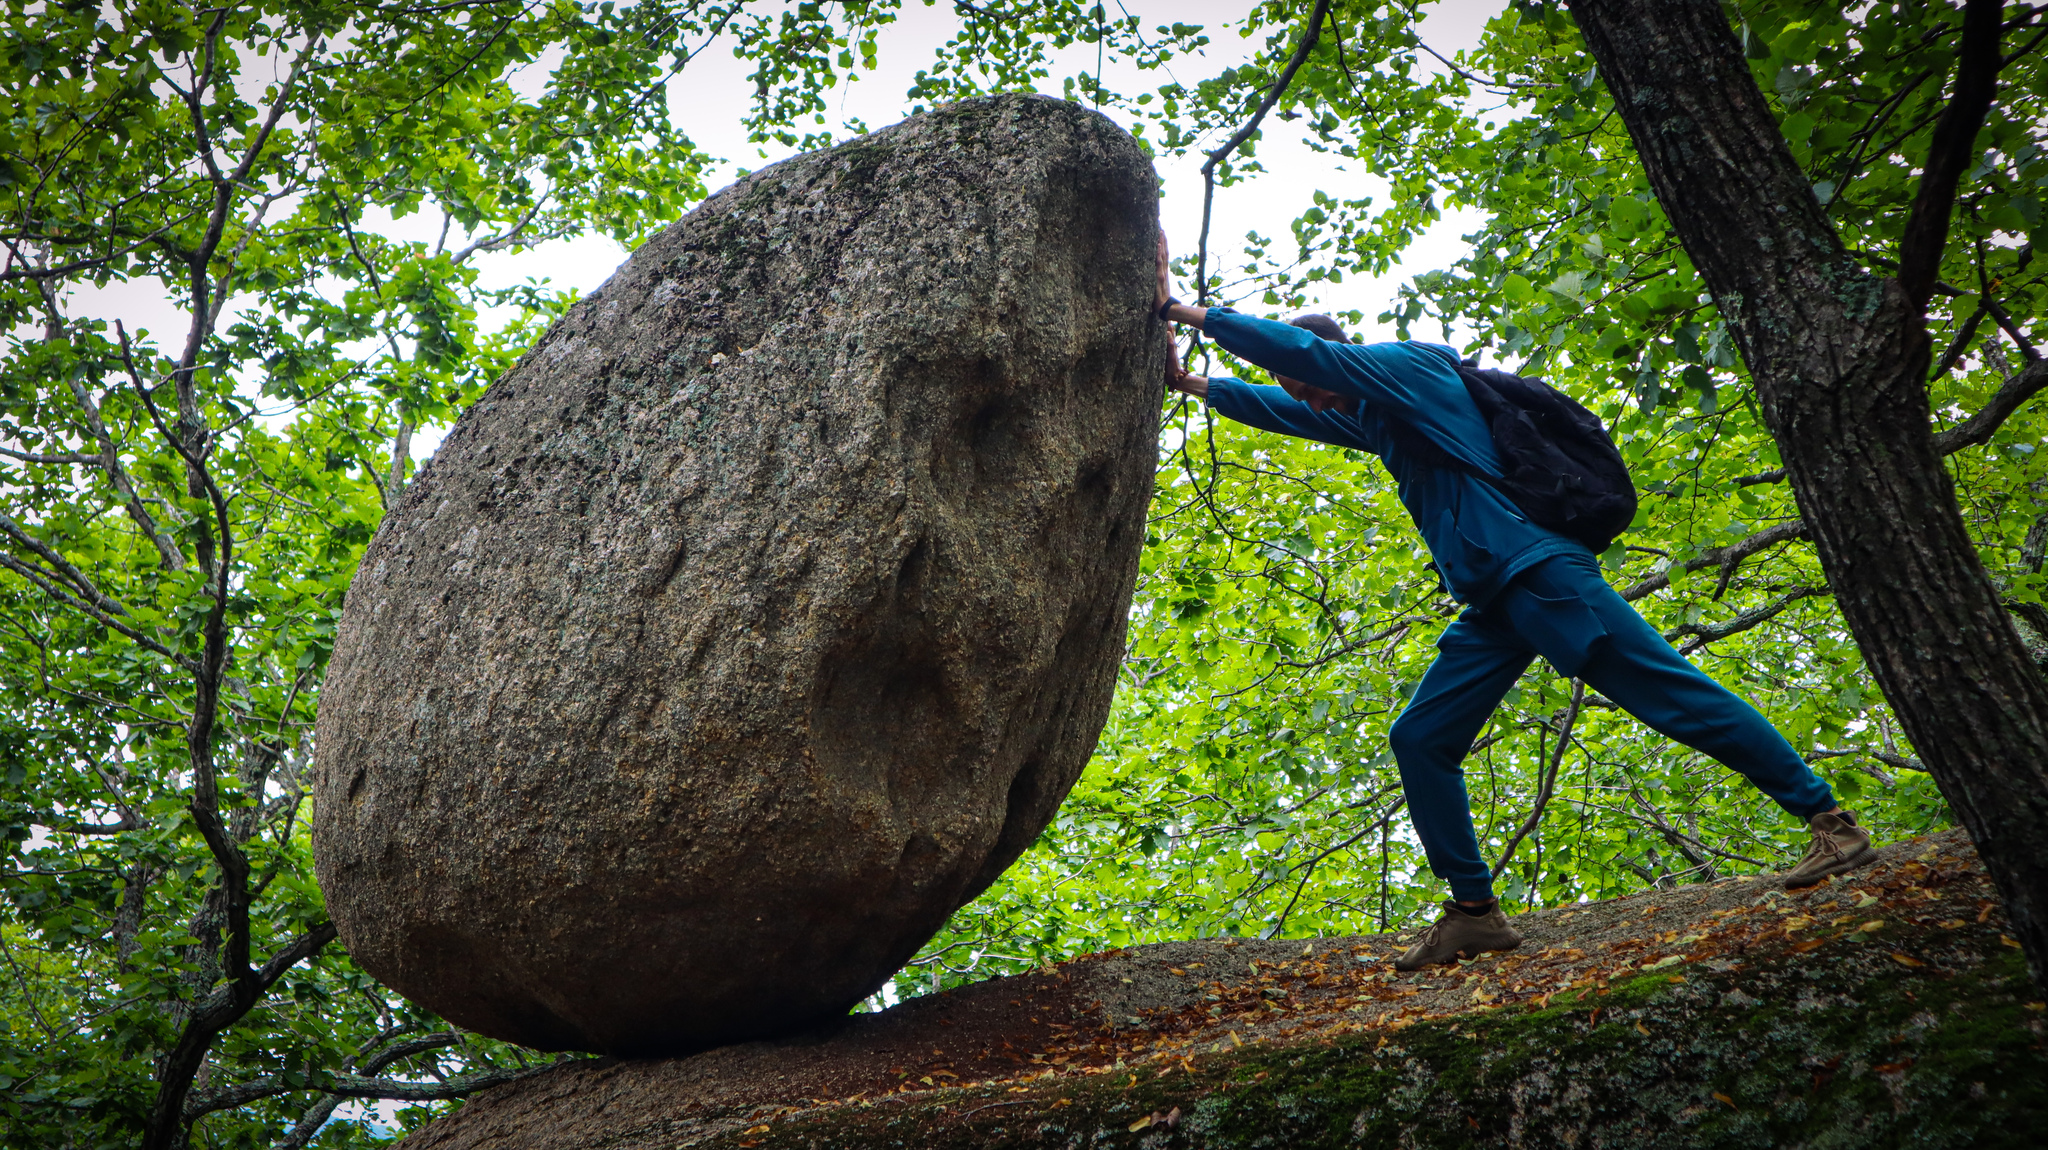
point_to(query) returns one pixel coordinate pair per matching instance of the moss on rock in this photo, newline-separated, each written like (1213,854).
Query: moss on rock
(1812,1051)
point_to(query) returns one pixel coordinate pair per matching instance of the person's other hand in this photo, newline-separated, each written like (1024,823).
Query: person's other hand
(1186,382)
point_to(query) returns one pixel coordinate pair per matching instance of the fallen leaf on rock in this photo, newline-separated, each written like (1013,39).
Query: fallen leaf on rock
(1906,960)
(1725,1100)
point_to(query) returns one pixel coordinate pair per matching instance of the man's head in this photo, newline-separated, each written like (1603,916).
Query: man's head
(1316,397)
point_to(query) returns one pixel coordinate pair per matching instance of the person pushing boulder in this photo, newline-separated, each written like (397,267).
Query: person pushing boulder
(1528,590)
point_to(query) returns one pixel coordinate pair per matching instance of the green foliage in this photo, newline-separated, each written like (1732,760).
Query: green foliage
(184,509)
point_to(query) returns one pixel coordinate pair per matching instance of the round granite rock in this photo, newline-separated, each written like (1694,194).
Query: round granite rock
(766,611)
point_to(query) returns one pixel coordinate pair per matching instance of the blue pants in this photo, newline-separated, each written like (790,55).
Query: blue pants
(1564,611)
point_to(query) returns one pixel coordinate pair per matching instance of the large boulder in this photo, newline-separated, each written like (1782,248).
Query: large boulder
(765,612)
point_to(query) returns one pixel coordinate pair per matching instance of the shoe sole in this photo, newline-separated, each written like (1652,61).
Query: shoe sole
(1453,960)
(1863,857)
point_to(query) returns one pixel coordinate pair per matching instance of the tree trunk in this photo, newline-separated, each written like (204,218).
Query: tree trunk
(1840,360)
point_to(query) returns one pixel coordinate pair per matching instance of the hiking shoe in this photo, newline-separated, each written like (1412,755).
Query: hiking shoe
(1459,935)
(1838,845)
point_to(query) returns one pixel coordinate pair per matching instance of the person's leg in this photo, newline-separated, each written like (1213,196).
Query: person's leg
(1564,609)
(1476,664)
(1638,670)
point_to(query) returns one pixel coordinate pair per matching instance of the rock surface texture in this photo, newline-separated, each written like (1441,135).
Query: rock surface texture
(766,611)
(1888,1008)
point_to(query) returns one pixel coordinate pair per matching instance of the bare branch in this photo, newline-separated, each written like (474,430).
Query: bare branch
(1955,142)
(61,567)
(50,586)
(1960,344)
(1726,558)
(1309,35)
(1549,783)
(2011,327)
(1979,428)
(32,457)
(1705,633)
(1492,85)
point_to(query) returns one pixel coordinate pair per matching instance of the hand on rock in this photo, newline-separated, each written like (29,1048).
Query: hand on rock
(1186,382)
(1164,290)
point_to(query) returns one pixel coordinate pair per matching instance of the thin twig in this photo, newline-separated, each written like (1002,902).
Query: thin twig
(1549,783)
(1309,36)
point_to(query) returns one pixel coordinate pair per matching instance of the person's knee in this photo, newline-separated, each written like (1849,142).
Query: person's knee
(1413,740)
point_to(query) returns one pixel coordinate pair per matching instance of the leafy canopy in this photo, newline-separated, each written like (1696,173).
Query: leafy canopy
(183,508)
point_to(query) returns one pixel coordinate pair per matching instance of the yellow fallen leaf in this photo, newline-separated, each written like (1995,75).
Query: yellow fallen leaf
(761,1129)
(927,1080)
(1724,1099)
(1140,1124)
(1868,899)
(1873,924)
(1907,960)
(1642,1030)
(2009,941)
(945,1074)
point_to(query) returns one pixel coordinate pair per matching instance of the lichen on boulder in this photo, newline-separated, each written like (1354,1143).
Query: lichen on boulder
(766,611)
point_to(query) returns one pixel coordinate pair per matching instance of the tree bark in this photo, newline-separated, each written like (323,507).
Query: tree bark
(1840,360)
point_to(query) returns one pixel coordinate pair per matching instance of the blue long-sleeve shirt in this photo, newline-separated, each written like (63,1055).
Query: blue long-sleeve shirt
(1478,537)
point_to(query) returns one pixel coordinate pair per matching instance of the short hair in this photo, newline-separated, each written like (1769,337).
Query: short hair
(1321,325)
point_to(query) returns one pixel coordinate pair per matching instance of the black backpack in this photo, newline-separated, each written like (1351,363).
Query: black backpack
(1560,466)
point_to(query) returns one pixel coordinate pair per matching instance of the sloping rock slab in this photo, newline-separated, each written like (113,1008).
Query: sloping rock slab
(766,611)
(1886,1008)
